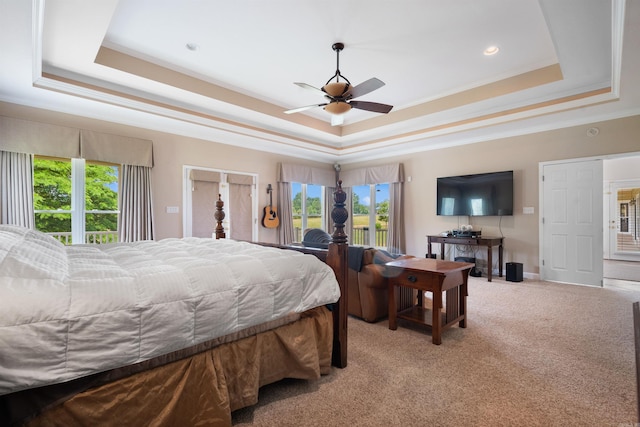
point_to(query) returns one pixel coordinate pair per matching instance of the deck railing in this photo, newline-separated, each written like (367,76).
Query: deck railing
(91,237)
(359,236)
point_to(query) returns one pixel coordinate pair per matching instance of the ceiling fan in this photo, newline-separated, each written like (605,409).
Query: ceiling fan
(340,94)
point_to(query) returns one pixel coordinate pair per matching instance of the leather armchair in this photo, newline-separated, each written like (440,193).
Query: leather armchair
(367,290)
(368,294)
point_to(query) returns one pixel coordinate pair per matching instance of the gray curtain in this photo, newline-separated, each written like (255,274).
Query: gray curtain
(205,187)
(136,204)
(203,207)
(327,223)
(240,207)
(16,189)
(396,240)
(285,210)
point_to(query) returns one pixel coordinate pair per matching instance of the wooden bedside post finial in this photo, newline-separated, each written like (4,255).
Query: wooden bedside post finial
(339,214)
(219,216)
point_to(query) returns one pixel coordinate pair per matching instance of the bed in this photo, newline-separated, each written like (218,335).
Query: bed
(169,332)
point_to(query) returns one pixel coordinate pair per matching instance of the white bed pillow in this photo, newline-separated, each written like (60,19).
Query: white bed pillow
(32,254)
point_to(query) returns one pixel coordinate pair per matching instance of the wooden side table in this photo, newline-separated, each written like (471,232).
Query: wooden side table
(435,276)
(489,242)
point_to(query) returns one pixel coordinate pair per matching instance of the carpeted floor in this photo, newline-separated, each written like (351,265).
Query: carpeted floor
(533,354)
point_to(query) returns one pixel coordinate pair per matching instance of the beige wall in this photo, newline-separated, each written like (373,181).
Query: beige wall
(170,153)
(520,154)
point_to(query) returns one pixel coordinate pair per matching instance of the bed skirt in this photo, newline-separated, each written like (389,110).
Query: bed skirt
(203,389)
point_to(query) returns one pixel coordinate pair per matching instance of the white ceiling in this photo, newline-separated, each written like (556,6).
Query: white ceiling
(561,63)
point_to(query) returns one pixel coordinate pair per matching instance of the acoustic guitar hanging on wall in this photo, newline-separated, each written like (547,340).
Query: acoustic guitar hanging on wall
(270,218)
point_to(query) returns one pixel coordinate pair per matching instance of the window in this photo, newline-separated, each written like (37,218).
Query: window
(76,201)
(307,208)
(370,225)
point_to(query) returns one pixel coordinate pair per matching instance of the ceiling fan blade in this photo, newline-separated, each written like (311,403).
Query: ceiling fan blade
(308,107)
(366,87)
(371,106)
(308,86)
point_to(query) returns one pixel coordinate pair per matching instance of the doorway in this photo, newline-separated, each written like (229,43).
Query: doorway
(621,261)
(622,224)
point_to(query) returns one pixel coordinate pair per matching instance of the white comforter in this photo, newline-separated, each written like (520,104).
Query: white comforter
(66,312)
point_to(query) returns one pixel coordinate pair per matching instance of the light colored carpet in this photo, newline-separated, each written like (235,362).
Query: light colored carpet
(533,354)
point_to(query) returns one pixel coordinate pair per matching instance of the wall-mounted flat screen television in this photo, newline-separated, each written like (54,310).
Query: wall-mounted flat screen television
(484,194)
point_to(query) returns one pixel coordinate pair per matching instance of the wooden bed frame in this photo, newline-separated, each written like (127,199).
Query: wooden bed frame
(336,256)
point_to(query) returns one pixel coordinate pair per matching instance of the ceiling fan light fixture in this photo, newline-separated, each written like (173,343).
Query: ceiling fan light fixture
(337,107)
(336,89)
(340,95)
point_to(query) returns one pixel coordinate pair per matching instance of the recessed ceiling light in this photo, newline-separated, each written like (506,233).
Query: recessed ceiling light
(491,50)
(593,131)
(192,47)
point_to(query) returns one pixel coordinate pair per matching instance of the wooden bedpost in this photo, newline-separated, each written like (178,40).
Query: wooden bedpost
(337,258)
(219,216)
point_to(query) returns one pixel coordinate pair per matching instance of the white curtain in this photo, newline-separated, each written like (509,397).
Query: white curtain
(16,189)
(136,204)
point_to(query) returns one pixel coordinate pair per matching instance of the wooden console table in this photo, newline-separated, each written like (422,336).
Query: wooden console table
(489,242)
(435,276)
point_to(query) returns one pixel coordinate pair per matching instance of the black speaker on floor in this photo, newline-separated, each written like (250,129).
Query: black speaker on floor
(514,271)
(474,271)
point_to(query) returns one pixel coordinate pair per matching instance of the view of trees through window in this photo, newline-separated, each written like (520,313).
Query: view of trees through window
(309,214)
(52,197)
(306,207)
(363,198)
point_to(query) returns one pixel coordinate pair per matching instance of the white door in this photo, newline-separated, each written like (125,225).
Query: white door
(572,222)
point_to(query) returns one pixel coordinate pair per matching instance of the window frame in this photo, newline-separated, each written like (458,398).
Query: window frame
(304,216)
(79,209)
(373,214)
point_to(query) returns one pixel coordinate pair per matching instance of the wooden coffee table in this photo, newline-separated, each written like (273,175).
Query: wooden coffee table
(435,276)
